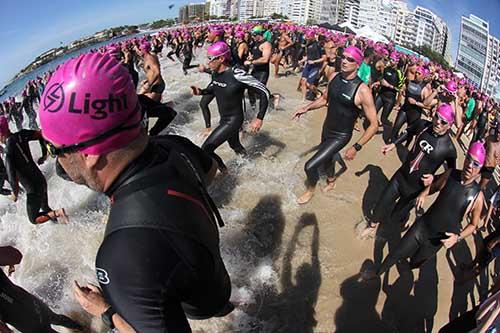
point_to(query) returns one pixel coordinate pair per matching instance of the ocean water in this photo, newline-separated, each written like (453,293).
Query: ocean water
(15,88)
(253,199)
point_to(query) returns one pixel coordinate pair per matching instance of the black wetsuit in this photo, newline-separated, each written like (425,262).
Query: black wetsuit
(187,51)
(259,71)
(19,163)
(409,113)
(429,152)
(165,225)
(235,58)
(131,69)
(228,88)
(30,111)
(338,126)
(386,97)
(152,109)
(423,239)
(480,129)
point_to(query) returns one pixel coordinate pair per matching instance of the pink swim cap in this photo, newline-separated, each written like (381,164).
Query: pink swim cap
(114,51)
(217,32)
(4,126)
(477,151)
(451,86)
(310,34)
(394,56)
(446,112)
(355,53)
(220,49)
(239,34)
(86,97)
(145,46)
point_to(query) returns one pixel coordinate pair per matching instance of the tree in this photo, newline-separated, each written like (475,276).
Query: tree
(276,16)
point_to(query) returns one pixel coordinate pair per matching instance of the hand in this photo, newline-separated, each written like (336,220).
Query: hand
(41,160)
(299,113)
(145,82)
(90,298)
(412,100)
(350,154)
(387,148)
(201,68)
(419,203)
(206,132)
(4,328)
(450,241)
(247,62)
(13,197)
(255,125)
(195,91)
(375,84)
(310,62)
(427,179)
(11,270)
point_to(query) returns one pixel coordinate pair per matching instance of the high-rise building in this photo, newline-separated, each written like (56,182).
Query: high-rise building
(491,74)
(219,8)
(331,10)
(183,13)
(193,11)
(472,48)
(301,11)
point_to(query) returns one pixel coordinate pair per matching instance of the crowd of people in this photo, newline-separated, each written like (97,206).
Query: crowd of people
(93,119)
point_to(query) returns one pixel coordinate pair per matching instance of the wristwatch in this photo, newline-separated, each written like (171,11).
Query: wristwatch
(107,317)
(357,146)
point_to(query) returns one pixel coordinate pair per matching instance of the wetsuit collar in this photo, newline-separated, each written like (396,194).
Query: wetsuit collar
(147,159)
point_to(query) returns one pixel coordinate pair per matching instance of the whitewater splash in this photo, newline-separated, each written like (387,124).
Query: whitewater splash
(253,199)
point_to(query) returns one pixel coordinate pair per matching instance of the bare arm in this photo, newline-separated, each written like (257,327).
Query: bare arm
(266,54)
(366,102)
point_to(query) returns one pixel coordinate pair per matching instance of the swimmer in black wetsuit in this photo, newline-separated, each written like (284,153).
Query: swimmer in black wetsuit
(346,97)
(228,85)
(433,147)
(22,310)
(187,52)
(389,87)
(416,92)
(21,168)
(260,57)
(459,196)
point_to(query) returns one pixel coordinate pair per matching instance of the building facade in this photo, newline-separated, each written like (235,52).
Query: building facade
(491,75)
(472,48)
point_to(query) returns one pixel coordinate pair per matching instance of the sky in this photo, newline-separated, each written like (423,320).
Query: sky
(452,10)
(31,27)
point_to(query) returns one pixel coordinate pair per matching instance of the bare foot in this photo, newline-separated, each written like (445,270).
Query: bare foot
(330,185)
(62,217)
(306,197)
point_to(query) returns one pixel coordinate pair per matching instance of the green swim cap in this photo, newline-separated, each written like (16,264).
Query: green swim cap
(258,30)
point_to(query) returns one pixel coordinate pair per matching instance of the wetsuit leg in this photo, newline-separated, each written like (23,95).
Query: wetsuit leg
(400,120)
(226,130)
(386,202)
(34,203)
(328,148)
(406,248)
(205,110)
(62,320)
(388,104)
(378,102)
(165,116)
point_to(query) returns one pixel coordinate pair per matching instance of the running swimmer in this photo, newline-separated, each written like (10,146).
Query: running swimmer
(346,96)
(20,309)
(260,56)
(228,85)
(315,56)
(161,217)
(22,169)
(154,85)
(284,47)
(459,196)
(433,147)
(411,111)
(391,83)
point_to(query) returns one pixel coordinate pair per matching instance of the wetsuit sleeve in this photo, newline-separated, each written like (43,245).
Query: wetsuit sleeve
(261,89)
(208,90)
(9,256)
(145,289)
(9,164)
(451,160)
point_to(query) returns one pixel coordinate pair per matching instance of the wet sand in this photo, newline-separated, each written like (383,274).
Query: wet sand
(313,250)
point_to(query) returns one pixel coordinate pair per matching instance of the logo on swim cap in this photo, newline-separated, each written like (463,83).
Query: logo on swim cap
(102,276)
(54,98)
